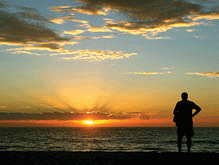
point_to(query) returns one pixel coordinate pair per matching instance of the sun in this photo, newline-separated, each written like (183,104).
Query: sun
(89,122)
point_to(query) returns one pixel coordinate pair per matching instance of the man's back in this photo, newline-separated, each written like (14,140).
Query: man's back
(183,110)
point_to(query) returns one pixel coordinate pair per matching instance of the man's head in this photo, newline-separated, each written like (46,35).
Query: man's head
(184,96)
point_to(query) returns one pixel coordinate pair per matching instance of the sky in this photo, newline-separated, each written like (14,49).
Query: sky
(115,62)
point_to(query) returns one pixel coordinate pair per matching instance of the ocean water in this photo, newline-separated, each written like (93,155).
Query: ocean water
(105,139)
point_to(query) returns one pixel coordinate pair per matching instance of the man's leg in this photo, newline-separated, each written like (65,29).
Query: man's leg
(179,142)
(189,143)
(179,139)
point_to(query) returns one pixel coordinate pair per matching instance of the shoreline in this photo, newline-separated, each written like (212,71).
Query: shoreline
(102,158)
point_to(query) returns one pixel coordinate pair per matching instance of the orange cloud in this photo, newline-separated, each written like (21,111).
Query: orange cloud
(145,30)
(191,30)
(57,20)
(109,36)
(69,18)
(208,74)
(42,46)
(98,55)
(99,29)
(74,32)
(149,73)
(208,16)
(61,8)
(93,37)
(88,11)
(145,73)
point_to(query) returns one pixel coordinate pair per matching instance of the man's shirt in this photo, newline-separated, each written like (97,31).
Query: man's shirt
(183,112)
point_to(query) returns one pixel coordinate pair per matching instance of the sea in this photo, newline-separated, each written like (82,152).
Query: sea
(91,139)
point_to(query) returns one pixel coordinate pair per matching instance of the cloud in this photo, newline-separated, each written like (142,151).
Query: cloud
(52,116)
(166,68)
(99,29)
(92,37)
(196,37)
(69,116)
(97,55)
(57,20)
(208,74)
(28,28)
(145,73)
(50,46)
(81,37)
(74,32)
(61,9)
(26,52)
(147,31)
(155,12)
(191,30)
(209,16)
(150,73)
(71,18)
(140,115)
(90,9)
(108,36)
(148,18)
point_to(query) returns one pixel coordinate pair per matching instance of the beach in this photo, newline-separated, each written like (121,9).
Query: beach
(103,158)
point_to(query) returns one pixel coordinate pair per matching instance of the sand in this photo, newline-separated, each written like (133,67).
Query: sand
(103,158)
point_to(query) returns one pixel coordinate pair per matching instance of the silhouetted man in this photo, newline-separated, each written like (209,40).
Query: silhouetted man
(183,118)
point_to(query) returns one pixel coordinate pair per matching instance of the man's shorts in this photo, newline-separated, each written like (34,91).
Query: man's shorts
(185,131)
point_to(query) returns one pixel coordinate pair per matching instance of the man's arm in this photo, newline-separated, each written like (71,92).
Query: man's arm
(197,108)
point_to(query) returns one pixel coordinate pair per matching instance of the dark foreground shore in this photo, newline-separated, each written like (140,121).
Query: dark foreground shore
(104,158)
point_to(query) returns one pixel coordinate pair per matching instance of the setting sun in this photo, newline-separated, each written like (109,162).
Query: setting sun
(89,122)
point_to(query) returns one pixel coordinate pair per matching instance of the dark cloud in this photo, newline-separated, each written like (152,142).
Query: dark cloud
(52,116)
(149,17)
(151,10)
(68,116)
(26,27)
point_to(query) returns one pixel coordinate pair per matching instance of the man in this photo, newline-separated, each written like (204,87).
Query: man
(183,118)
